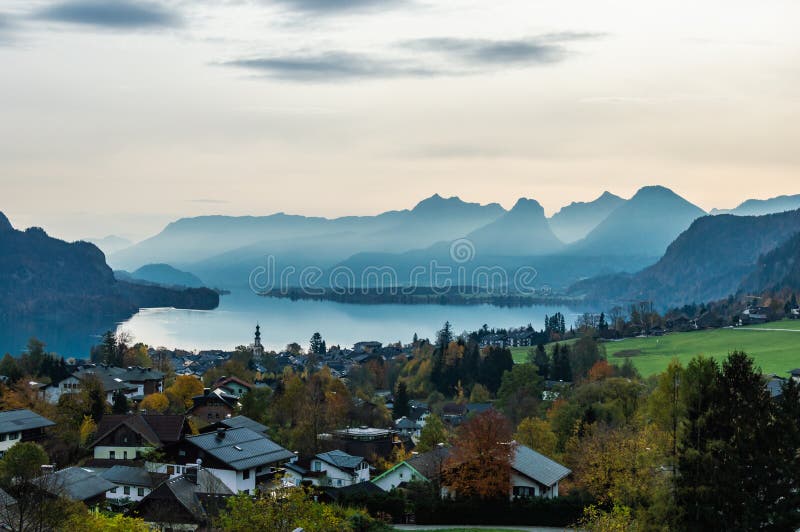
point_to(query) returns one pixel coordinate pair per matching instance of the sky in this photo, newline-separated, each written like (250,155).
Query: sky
(117,117)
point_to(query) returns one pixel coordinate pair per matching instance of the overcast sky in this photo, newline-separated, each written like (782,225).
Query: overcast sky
(119,116)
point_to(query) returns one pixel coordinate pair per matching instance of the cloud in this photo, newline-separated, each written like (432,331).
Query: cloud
(338,6)
(440,56)
(209,201)
(7,27)
(115,14)
(547,48)
(329,66)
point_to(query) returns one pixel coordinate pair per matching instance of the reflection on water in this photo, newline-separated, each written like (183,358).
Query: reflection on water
(69,339)
(284,321)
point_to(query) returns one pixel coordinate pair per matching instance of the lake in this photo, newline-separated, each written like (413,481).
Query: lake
(282,321)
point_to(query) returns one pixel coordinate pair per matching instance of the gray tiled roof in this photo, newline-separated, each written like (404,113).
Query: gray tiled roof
(341,459)
(187,492)
(537,466)
(241,448)
(244,421)
(17,420)
(130,476)
(76,483)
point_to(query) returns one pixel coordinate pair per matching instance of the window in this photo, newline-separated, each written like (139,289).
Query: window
(124,455)
(13,436)
(245,474)
(112,455)
(126,490)
(113,490)
(140,492)
(3,437)
(338,482)
(316,465)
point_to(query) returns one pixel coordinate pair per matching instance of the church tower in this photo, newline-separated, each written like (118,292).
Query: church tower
(258,349)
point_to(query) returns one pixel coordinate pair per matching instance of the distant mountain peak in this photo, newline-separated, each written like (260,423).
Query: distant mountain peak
(527,205)
(5,225)
(437,201)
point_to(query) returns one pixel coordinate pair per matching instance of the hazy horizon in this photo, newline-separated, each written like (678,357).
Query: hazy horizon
(119,117)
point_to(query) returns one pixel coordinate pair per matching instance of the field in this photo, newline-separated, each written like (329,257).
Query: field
(775,351)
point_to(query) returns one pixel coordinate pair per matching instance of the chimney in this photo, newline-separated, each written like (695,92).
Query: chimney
(220,433)
(191,473)
(47,469)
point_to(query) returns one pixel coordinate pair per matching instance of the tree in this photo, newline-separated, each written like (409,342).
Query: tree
(479,465)
(498,360)
(94,396)
(520,392)
(732,462)
(120,404)
(401,406)
(98,522)
(536,433)
(288,510)
(255,404)
(155,402)
(666,407)
(317,344)
(562,368)
(432,434)
(137,356)
(10,368)
(21,477)
(479,394)
(182,391)
(87,430)
(540,359)
(583,355)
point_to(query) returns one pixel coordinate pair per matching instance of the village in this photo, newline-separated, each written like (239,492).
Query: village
(175,470)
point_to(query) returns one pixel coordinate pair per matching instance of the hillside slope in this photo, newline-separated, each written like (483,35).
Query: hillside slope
(577,219)
(708,261)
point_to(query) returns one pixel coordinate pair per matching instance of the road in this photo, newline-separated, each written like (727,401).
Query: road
(479,527)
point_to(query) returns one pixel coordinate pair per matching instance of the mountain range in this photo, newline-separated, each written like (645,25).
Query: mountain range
(48,278)
(716,257)
(223,250)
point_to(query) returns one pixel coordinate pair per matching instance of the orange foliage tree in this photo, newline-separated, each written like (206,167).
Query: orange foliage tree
(600,370)
(182,390)
(480,462)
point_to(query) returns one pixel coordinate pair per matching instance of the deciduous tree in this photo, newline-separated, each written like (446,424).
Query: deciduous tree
(480,461)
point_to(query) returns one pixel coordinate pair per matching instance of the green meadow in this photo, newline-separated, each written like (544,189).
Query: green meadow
(775,351)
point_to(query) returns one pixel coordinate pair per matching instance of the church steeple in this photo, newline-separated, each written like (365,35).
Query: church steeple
(258,349)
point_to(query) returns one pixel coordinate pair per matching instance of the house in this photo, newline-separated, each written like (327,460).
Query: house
(134,382)
(755,315)
(366,347)
(532,473)
(131,484)
(231,386)
(299,473)
(342,469)
(129,436)
(241,458)
(795,374)
(535,475)
(213,406)
(75,483)
(794,313)
(454,413)
(406,427)
(775,385)
(425,467)
(187,502)
(369,442)
(235,423)
(21,425)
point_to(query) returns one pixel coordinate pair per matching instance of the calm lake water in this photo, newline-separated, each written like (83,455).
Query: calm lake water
(282,321)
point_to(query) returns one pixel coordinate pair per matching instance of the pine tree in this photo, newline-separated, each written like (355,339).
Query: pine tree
(401,407)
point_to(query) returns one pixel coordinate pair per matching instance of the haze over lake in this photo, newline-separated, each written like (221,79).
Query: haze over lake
(284,321)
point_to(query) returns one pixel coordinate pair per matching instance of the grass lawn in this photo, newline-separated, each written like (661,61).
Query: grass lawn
(774,351)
